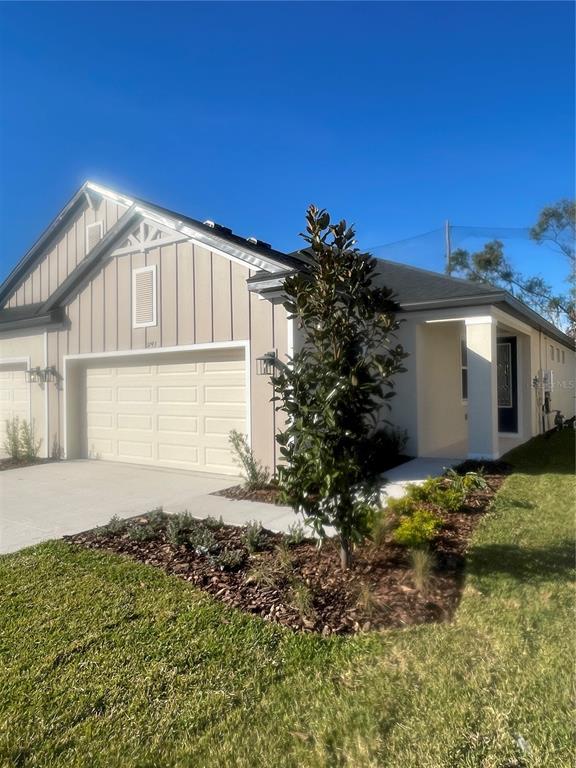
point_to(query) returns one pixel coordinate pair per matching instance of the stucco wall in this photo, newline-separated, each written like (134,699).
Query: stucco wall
(563,394)
(442,412)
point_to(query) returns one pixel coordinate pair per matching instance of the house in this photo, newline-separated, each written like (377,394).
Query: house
(132,333)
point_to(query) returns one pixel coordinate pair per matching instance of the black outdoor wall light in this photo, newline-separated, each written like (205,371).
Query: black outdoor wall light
(41,375)
(267,363)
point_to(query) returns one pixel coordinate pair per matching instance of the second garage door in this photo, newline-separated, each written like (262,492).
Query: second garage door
(176,412)
(14,398)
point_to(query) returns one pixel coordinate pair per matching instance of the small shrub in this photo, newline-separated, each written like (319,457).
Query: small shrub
(253,536)
(418,529)
(214,524)
(115,527)
(470,481)
(265,574)
(296,533)
(29,448)
(398,507)
(230,559)
(141,532)
(300,598)
(255,474)
(435,491)
(12,438)
(178,527)
(422,565)
(157,519)
(202,540)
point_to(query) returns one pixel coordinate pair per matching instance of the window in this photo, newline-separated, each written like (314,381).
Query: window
(563,357)
(463,369)
(551,353)
(144,297)
(558,354)
(93,235)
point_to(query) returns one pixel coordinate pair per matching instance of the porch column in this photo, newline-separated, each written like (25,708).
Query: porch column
(482,388)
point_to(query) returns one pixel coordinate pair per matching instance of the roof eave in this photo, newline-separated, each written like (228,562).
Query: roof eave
(50,232)
(53,317)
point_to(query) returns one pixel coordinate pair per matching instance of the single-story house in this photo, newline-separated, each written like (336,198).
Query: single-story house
(132,333)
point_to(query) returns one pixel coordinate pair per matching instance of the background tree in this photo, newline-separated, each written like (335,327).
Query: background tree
(336,387)
(556,226)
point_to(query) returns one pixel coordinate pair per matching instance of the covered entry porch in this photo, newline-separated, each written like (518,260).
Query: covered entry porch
(474,386)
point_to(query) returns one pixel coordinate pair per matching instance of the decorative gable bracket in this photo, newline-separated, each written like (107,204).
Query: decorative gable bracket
(146,236)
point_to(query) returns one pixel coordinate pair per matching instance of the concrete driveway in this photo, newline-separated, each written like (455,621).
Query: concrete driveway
(48,501)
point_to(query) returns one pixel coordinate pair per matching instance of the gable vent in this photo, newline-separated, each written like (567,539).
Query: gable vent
(94,234)
(144,297)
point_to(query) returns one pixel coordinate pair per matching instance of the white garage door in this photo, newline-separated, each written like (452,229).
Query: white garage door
(177,412)
(14,398)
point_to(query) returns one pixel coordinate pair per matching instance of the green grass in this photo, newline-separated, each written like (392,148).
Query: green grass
(104,662)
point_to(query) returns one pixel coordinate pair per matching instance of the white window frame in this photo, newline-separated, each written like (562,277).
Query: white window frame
(100,225)
(552,352)
(154,321)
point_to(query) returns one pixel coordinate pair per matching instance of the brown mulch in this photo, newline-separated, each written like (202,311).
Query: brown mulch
(271,493)
(19,463)
(377,592)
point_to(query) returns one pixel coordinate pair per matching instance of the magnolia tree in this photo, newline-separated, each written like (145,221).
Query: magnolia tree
(337,385)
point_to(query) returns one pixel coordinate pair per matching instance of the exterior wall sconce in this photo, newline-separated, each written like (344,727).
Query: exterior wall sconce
(50,374)
(268,363)
(34,375)
(265,364)
(41,375)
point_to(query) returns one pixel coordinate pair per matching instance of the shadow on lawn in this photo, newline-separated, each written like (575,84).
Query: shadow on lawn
(524,563)
(554,454)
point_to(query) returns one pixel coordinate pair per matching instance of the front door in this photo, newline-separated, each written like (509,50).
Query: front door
(507,385)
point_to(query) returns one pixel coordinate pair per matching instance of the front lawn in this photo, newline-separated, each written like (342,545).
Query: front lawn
(107,662)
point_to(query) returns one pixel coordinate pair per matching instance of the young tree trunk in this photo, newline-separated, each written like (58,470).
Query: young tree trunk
(345,553)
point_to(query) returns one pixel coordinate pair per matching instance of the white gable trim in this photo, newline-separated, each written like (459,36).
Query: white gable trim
(198,237)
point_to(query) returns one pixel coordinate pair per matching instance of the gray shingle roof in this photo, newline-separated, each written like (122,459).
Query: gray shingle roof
(413,285)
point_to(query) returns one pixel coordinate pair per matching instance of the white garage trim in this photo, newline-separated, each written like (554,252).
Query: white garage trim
(210,346)
(46,421)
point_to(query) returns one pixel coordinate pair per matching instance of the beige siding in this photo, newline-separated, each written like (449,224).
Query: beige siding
(168,293)
(202,298)
(203,295)
(62,255)
(185,293)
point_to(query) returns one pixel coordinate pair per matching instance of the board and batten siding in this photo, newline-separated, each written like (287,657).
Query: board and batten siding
(63,254)
(202,297)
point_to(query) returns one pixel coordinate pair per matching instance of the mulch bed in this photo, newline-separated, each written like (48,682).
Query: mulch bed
(19,463)
(303,587)
(271,494)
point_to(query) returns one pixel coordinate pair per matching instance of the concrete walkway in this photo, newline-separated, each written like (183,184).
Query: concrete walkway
(414,471)
(48,501)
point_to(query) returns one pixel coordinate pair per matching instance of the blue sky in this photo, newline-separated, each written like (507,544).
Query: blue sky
(396,116)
